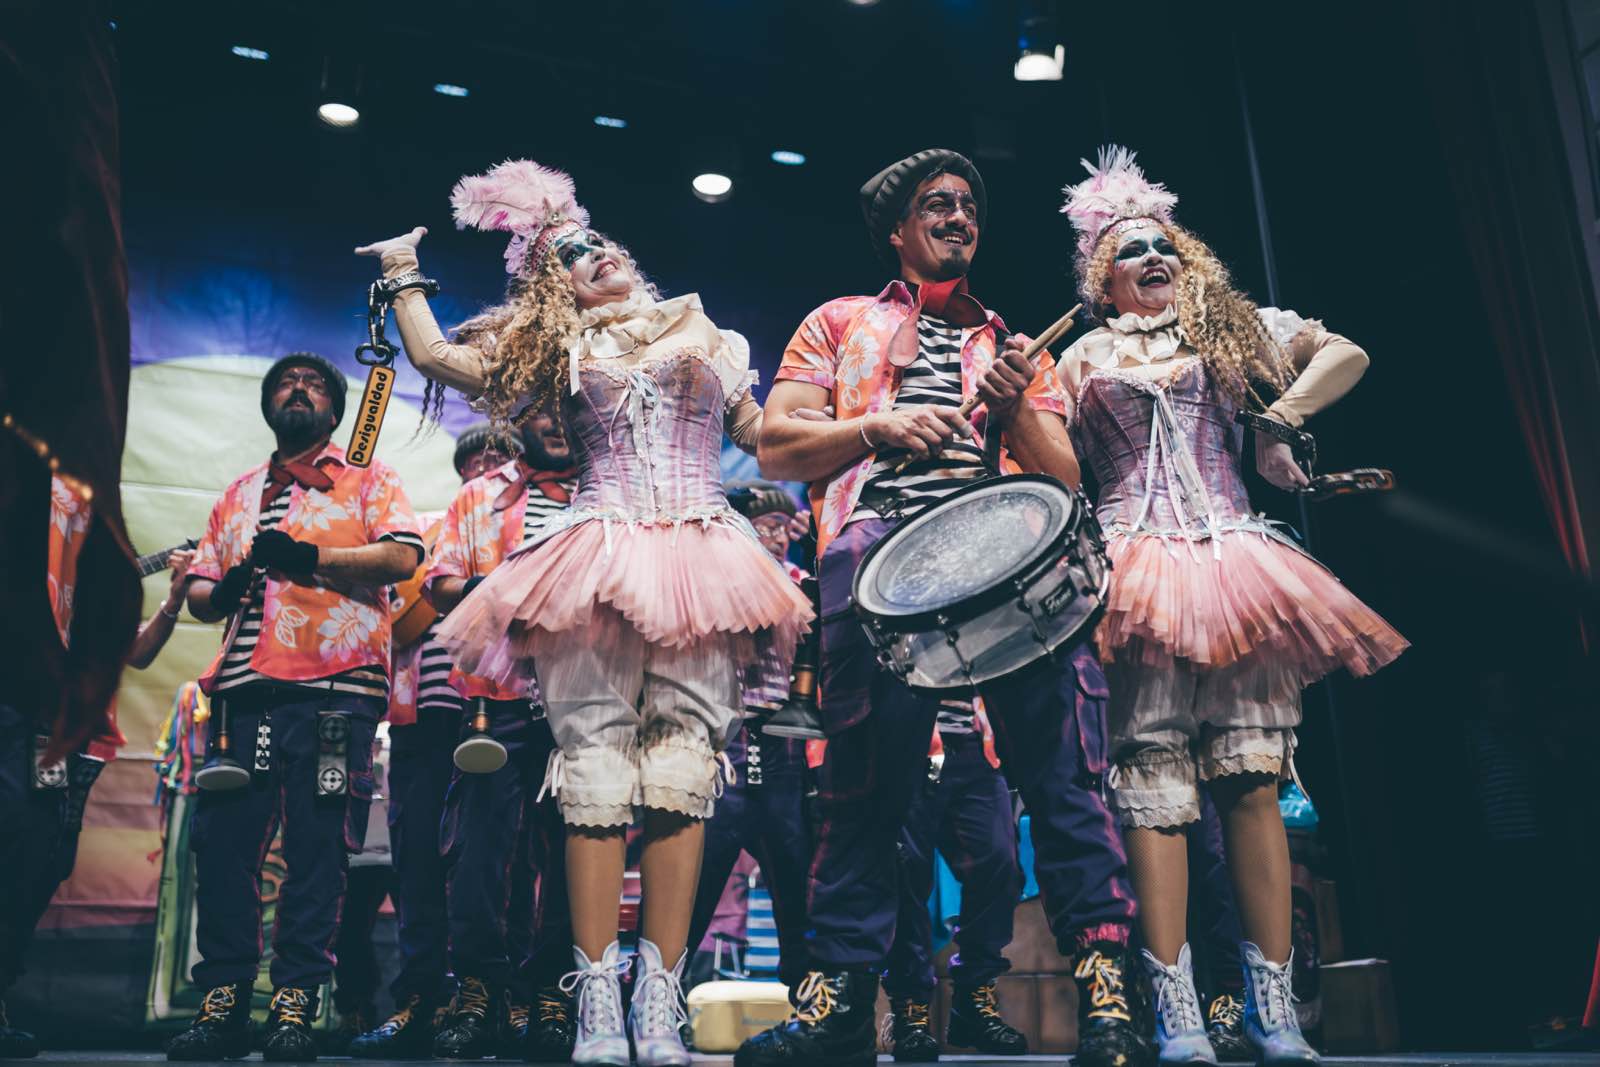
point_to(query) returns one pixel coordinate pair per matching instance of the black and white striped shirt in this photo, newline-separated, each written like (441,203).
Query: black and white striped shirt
(934,378)
(540,508)
(956,717)
(433,672)
(236,671)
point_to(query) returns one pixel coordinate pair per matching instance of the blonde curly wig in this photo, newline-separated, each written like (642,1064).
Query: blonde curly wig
(524,340)
(1219,321)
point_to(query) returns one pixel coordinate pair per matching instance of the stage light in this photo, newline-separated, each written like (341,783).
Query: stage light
(788,158)
(712,187)
(1039,67)
(337,114)
(246,52)
(610,122)
(1040,56)
(446,89)
(862,3)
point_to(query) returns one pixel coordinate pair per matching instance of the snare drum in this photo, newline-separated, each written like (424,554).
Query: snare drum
(983,583)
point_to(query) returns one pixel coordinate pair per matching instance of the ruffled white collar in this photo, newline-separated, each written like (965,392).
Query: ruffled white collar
(1133,337)
(612,330)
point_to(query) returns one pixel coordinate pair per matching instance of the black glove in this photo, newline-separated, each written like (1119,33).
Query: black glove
(472,583)
(277,551)
(226,594)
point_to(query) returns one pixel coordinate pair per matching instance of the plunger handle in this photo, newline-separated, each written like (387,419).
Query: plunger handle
(479,753)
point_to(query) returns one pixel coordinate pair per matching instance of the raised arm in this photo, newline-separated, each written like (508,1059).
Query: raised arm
(1327,365)
(458,366)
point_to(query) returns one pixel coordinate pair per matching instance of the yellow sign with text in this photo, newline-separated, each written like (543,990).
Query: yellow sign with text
(369,417)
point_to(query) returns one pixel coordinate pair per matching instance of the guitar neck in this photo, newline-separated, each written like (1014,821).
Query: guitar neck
(156,562)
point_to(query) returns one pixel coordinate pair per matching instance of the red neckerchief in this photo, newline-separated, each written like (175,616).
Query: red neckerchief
(549,483)
(949,301)
(281,474)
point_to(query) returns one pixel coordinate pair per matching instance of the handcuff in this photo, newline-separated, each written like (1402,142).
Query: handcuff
(378,353)
(1319,487)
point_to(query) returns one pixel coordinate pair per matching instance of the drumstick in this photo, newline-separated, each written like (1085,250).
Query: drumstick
(1030,353)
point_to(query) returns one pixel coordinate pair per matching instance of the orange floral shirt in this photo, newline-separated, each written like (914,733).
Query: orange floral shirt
(70,517)
(405,673)
(843,347)
(310,629)
(474,541)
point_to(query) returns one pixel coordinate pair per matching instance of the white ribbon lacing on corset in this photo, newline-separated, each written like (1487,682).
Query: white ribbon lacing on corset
(1170,448)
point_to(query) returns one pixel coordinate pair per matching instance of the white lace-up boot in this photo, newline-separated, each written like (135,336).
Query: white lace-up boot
(657,1015)
(598,985)
(1271,1023)
(1180,1027)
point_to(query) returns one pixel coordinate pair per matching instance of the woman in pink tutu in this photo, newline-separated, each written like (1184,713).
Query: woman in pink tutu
(1215,620)
(644,601)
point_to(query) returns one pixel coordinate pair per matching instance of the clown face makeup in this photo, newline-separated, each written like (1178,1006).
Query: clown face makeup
(939,234)
(1144,270)
(599,275)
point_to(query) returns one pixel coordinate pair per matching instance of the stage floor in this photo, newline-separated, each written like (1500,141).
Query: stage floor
(1414,1059)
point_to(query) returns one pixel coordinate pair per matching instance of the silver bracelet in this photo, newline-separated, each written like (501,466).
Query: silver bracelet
(862,426)
(173,614)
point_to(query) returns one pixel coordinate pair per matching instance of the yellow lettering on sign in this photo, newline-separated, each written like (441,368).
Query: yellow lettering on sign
(369,418)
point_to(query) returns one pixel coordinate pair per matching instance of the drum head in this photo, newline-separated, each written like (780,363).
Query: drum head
(969,546)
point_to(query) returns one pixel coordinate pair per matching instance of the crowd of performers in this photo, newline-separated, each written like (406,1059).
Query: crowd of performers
(619,622)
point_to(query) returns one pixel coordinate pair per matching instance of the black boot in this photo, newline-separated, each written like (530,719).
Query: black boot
(513,1031)
(832,1026)
(470,1031)
(289,1038)
(15,1044)
(221,1028)
(405,1035)
(1225,1028)
(353,1022)
(908,1031)
(551,1033)
(975,1023)
(1107,1036)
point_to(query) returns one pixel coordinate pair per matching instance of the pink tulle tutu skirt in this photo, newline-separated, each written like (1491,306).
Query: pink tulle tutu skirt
(678,585)
(1261,598)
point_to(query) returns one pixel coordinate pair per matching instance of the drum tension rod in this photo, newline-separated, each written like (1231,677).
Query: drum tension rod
(951,636)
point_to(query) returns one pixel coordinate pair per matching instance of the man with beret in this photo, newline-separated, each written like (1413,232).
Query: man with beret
(298,555)
(425,722)
(505,944)
(895,367)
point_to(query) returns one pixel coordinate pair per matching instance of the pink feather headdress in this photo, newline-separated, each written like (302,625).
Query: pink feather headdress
(1116,192)
(534,204)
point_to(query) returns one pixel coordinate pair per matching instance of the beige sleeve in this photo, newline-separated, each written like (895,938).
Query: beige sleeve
(1328,367)
(458,366)
(743,423)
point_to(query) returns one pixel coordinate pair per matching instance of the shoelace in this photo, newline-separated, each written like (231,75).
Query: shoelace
(215,1007)
(517,1015)
(290,1005)
(815,999)
(1106,996)
(1275,998)
(1176,1003)
(472,998)
(599,1012)
(661,995)
(552,1006)
(1225,1012)
(983,1000)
